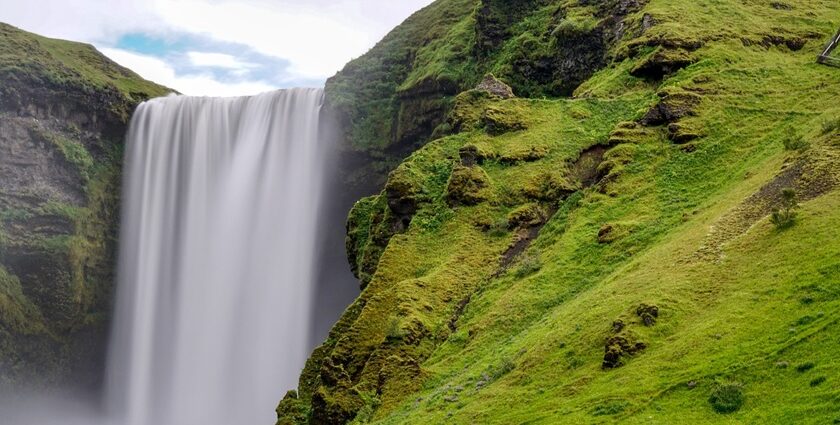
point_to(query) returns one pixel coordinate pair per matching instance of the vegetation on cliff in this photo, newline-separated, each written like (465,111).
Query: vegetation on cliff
(64,109)
(607,256)
(391,100)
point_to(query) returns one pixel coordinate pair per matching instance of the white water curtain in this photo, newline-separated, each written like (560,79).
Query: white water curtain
(220,202)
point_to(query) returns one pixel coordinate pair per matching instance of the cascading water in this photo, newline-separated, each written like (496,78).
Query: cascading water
(216,258)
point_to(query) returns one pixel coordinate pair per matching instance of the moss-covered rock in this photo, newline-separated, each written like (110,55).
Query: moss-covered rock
(467,186)
(527,216)
(334,407)
(547,186)
(397,97)
(292,410)
(674,106)
(64,109)
(683,132)
(495,87)
(499,121)
(663,61)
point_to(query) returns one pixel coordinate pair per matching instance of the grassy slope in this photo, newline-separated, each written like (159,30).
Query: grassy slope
(733,308)
(30,57)
(367,88)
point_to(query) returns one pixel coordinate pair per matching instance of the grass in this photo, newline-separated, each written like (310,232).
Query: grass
(17,313)
(25,55)
(724,320)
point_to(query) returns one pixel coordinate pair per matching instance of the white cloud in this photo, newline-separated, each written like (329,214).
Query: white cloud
(315,37)
(157,70)
(81,20)
(218,60)
(317,45)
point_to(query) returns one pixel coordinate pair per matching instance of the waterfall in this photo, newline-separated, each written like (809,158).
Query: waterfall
(216,258)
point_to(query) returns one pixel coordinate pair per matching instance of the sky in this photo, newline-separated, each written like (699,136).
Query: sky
(219,47)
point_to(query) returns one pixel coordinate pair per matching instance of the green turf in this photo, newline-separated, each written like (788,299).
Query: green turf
(441,334)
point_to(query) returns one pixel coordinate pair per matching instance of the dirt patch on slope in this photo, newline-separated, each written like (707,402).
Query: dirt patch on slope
(812,176)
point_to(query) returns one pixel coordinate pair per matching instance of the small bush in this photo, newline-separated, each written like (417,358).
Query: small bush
(792,142)
(499,228)
(506,366)
(371,404)
(804,320)
(804,367)
(610,408)
(394,330)
(529,265)
(817,381)
(785,217)
(831,125)
(727,397)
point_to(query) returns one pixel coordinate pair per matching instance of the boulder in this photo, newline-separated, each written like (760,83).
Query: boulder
(496,87)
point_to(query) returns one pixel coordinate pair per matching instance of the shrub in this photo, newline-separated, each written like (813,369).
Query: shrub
(506,366)
(529,265)
(785,217)
(831,125)
(727,397)
(499,228)
(610,408)
(394,330)
(792,142)
(804,367)
(817,381)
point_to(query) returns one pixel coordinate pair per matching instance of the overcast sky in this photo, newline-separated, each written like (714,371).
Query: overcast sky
(219,47)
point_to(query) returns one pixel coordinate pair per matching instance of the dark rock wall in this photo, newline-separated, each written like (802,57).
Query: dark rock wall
(61,138)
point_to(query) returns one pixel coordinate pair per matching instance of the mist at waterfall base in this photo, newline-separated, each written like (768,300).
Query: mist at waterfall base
(228,265)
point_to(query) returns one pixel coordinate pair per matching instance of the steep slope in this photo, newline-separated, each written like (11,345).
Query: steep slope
(64,108)
(391,100)
(609,257)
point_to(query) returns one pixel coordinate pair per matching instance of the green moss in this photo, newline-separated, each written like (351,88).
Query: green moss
(526,216)
(468,186)
(499,121)
(572,27)
(462,315)
(17,314)
(25,55)
(75,153)
(78,103)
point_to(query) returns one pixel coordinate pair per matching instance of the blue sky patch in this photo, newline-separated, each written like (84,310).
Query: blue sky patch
(191,54)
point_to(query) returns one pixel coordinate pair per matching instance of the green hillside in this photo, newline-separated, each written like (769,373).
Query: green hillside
(658,244)
(35,61)
(64,111)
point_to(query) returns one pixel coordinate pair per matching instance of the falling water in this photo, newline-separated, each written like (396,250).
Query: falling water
(216,258)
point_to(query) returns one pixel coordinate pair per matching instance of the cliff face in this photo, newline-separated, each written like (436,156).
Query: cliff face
(615,244)
(390,101)
(64,109)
